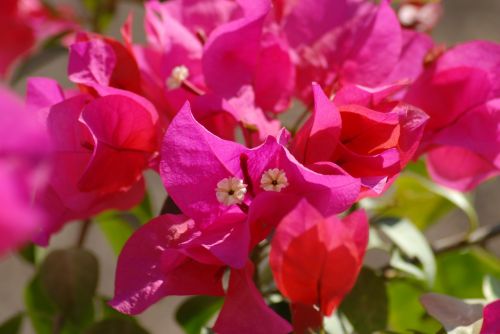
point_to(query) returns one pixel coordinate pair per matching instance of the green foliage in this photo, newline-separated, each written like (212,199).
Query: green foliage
(46,318)
(69,278)
(413,244)
(118,226)
(195,312)
(12,325)
(366,306)
(101,13)
(461,273)
(451,312)
(422,201)
(405,311)
(491,288)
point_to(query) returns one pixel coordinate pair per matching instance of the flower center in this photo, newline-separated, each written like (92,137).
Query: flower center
(230,191)
(178,75)
(274,180)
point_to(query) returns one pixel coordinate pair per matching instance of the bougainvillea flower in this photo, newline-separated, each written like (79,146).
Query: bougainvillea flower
(263,61)
(194,161)
(23,23)
(491,318)
(362,132)
(356,42)
(102,145)
(257,316)
(24,163)
(171,256)
(460,92)
(316,259)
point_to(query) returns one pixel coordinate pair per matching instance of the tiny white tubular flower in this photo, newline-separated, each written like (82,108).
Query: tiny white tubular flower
(230,190)
(274,180)
(178,75)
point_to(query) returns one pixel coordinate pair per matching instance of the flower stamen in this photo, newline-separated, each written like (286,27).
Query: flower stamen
(230,191)
(274,180)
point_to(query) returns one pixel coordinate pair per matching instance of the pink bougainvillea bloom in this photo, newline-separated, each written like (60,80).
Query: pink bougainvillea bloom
(102,145)
(263,60)
(356,42)
(362,133)
(24,163)
(194,162)
(172,256)
(316,259)
(491,318)
(96,59)
(460,92)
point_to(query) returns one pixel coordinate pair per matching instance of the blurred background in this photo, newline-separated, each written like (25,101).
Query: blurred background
(463,20)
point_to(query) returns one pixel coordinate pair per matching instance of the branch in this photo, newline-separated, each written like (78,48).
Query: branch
(478,237)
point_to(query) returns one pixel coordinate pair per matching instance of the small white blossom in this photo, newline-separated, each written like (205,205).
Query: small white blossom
(274,180)
(230,191)
(178,75)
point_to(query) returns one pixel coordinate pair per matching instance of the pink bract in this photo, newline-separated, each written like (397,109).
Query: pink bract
(24,166)
(460,92)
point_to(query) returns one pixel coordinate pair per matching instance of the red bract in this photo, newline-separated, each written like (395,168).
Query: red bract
(316,259)
(24,166)
(22,24)
(102,145)
(460,92)
(362,133)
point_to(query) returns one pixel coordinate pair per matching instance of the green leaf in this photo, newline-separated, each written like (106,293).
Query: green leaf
(491,288)
(116,229)
(405,311)
(451,312)
(412,243)
(45,316)
(12,325)
(422,201)
(116,326)
(40,309)
(118,226)
(337,323)
(359,307)
(196,311)
(32,254)
(69,279)
(461,273)
(101,12)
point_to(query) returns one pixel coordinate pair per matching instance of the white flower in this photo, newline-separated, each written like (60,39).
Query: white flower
(274,180)
(178,75)
(230,191)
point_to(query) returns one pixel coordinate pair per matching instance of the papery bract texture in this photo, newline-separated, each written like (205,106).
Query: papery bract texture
(316,259)
(102,145)
(460,92)
(363,133)
(194,160)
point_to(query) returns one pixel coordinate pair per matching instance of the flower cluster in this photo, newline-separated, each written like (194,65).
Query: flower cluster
(201,103)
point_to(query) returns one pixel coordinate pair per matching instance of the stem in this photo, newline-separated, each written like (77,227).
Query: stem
(84,230)
(478,237)
(58,324)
